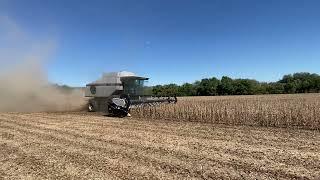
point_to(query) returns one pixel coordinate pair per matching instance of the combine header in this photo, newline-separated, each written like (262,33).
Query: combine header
(117,92)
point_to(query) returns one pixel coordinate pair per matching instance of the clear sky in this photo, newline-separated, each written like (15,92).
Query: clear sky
(173,41)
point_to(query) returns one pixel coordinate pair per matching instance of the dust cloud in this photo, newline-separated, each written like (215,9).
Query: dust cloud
(24,86)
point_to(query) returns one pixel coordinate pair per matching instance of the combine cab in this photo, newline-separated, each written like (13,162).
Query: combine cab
(115,93)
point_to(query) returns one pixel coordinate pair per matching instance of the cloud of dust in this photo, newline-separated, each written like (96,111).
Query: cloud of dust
(24,86)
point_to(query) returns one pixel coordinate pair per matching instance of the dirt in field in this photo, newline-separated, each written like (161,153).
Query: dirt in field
(88,146)
(24,84)
(25,88)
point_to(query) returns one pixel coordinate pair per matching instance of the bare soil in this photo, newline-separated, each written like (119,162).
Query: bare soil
(91,146)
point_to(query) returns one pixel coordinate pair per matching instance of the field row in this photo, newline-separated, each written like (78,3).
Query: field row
(87,146)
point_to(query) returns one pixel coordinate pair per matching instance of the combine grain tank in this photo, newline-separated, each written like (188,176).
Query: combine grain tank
(115,93)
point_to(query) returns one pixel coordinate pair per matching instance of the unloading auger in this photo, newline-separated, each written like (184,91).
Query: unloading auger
(117,92)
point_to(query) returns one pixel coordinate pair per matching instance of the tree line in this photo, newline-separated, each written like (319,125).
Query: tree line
(289,84)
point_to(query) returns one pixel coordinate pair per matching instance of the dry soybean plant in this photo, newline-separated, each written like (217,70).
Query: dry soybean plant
(301,110)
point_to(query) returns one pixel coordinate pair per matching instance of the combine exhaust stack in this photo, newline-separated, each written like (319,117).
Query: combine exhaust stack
(116,93)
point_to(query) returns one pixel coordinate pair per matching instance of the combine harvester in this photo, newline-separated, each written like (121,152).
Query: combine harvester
(117,92)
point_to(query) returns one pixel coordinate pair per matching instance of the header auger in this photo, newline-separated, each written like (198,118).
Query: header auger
(117,92)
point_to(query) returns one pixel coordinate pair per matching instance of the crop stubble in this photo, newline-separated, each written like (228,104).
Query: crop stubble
(81,146)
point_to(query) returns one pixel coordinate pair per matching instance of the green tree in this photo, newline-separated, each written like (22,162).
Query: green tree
(292,83)
(208,87)
(275,88)
(245,86)
(187,89)
(226,86)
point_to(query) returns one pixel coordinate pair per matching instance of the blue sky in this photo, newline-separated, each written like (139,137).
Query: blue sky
(173,41)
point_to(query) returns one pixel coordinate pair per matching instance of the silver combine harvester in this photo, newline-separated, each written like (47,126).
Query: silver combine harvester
(115,93)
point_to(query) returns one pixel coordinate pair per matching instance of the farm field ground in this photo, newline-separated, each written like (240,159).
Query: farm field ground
(78,145)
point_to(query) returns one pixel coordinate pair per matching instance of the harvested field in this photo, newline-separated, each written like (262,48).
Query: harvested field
(90,146)
(288,111)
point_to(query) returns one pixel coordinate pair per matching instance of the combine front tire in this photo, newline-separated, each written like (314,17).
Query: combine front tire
(119,106)
(90,107)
